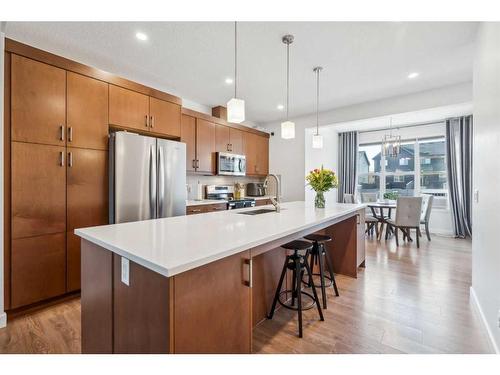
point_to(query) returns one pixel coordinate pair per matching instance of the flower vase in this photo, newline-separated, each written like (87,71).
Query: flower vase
(319,200)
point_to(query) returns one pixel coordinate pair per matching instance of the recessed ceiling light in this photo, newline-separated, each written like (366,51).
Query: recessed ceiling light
(413,75)
(280,107)
(229,81)
(141,36)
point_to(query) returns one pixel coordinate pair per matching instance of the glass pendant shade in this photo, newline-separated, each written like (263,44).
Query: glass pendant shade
(287,130)
(317,141)
(236,110)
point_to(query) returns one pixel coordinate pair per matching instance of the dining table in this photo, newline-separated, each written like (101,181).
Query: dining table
(379,212)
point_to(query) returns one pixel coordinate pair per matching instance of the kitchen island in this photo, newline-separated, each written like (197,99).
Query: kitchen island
(199,284)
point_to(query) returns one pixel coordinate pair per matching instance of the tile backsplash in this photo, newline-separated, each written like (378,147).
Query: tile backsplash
(192,182)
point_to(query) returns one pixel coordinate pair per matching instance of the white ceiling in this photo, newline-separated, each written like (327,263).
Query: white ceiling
(362,61)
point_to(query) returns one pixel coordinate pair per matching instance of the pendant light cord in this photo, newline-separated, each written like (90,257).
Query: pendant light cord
(287,78)
(317,101)
(235,57)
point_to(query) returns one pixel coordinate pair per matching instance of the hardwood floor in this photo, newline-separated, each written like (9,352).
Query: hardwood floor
(408,300)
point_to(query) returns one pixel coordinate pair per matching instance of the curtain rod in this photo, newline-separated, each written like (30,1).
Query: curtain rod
(411,125)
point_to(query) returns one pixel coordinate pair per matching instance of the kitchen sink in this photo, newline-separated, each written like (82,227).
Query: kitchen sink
(258,212)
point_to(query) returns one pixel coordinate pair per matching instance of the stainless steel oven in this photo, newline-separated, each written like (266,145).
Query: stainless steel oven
(231,164)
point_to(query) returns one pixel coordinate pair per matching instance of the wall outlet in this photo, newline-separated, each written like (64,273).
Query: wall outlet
(125,271)
(476,195)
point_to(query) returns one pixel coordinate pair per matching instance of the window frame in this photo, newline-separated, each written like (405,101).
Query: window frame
(416,173)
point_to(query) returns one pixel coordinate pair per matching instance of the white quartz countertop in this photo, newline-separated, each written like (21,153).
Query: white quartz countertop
(174,245)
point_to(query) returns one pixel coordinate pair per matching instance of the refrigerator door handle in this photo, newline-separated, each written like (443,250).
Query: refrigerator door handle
(152,182)
(161,181)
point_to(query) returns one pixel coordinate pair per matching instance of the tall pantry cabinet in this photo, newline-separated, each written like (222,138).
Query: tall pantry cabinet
(59,127)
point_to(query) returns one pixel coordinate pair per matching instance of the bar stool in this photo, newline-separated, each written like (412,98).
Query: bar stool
(297,263)
(320,255)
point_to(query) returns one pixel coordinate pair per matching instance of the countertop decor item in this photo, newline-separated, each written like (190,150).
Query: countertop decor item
(238,189)
(321,181)
(391,196)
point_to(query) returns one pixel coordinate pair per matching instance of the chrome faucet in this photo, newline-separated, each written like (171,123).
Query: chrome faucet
(275,201)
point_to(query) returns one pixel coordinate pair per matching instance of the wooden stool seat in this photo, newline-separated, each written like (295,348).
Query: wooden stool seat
(318,237)
(298,245)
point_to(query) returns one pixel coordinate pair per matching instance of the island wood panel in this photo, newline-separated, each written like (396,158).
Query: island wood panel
(212,307)
(205,146)
(222,138)
(38,268)
(137,329)
(266,269)
(38,102)
(236,141)
(96,299)
(343,247)
(73,262)
(165,117)
(87,112)
(188,136)
(262,202)
(204,208)
(38,189)
(6,182)
(128,108)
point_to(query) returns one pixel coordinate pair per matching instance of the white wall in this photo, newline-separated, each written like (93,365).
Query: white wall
(326,156)
(486,212)
(287,156)
(3,317)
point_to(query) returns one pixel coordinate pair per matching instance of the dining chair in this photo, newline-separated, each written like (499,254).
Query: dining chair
(370,220)
(425,215)
(368,197)
(408,210)
(349,198)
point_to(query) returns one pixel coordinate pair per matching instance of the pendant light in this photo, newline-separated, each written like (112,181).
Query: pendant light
(287,127)
(317,138)
(391,144)
(235,106)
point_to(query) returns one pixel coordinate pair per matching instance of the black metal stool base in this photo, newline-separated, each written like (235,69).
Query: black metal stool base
(297,263)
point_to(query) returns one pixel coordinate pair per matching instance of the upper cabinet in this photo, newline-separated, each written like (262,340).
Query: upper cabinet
(38,102)
(257,154)
(188,136)
(222,142)
(165,117)
(87,112)
(236,141)
(205,146)
(133,110)
(128,108)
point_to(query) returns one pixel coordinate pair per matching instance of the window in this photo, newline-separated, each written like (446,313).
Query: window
(420,168)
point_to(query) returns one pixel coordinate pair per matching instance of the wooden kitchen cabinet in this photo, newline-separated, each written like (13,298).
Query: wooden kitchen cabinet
(87,112)
(251,153)
(236,141)
(38,268)
(222,140)
(128,108)
(204,208)
(38,102)
(205,146)
(165,117)
(87,202)
(38,189)
(188,136)
(212,307)
(262,155)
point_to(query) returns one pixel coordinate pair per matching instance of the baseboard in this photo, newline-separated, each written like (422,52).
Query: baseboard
(477,307)
(3,320)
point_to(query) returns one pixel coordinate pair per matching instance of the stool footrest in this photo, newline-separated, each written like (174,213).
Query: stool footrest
(292,307)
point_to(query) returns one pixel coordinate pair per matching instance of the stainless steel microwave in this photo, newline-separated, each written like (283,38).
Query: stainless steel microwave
(231,164)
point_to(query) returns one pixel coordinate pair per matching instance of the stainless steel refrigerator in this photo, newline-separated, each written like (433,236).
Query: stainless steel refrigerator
(147,177)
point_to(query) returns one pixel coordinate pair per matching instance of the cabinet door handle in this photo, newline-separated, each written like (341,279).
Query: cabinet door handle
(197,163)
(61,137)
(61,159)
(70,159)
(152,121)
(194,163)
(146,121)
(249,262)
(70,134)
